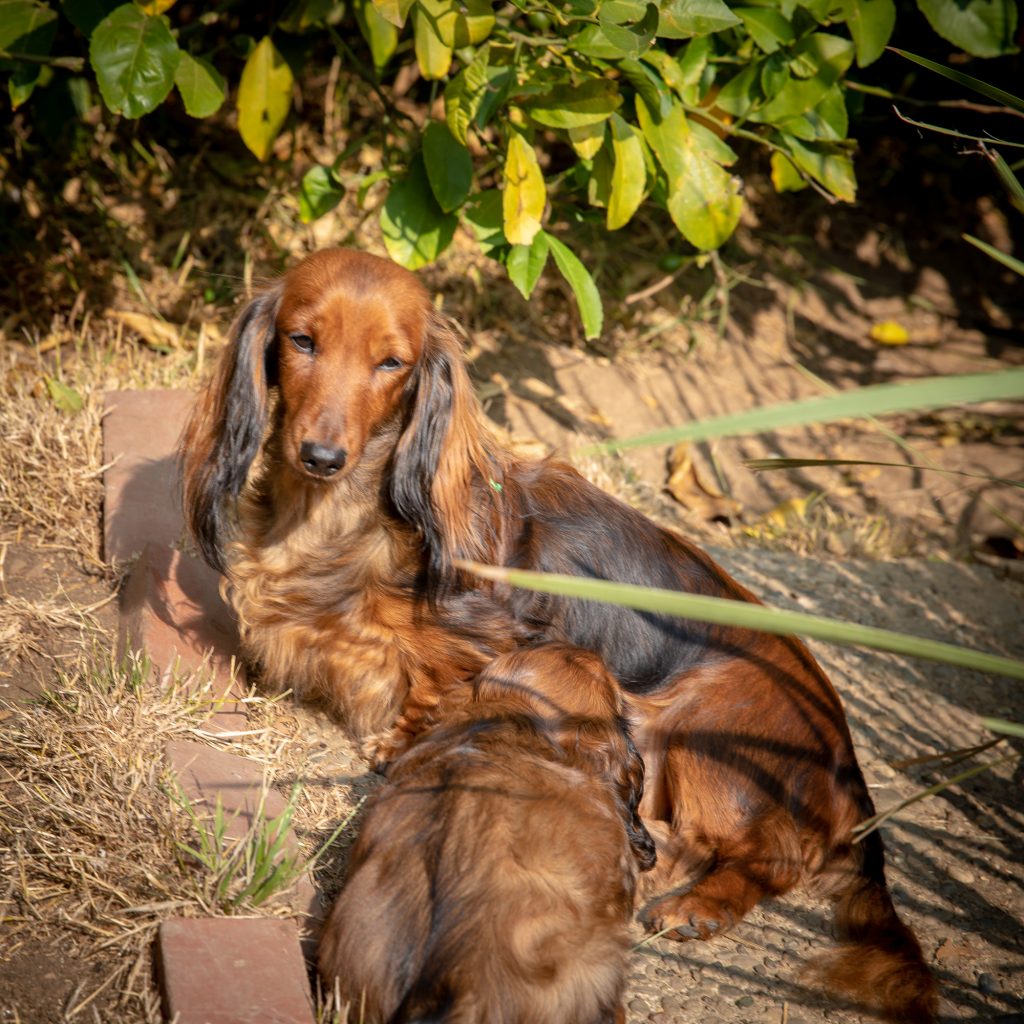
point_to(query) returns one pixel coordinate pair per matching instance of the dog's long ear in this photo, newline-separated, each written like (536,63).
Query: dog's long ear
(226,427)
(631,791)
(446,475)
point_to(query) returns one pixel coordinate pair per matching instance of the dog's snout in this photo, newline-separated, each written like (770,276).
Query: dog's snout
(321,459)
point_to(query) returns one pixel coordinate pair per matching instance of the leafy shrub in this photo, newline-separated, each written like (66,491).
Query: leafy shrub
(554,110)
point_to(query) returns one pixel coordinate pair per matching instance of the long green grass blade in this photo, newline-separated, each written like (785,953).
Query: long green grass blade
(990,250)
(877,399)
(1004,727)
(760,465)
(955,134)
(748,616)
(967,81)
(869,825)
(1009,179)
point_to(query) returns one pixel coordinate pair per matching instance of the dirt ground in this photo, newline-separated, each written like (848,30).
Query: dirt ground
(912,549)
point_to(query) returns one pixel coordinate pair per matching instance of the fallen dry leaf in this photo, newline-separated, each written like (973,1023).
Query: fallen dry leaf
(154,332)
(686,485)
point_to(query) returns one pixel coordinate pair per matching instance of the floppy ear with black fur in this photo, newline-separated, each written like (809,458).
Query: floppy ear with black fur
(446,472)
(225,431)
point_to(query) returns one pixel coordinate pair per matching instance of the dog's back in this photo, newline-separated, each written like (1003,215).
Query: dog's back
(492,882)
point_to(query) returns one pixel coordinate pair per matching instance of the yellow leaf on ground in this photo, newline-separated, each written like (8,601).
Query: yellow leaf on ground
(693,492)
(153,332)
(889,332)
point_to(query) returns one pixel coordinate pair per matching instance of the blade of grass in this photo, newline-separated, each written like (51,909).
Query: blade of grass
(950,756)
(1009,179)
(869,825)
(748,616)
(860,403)
(990,250)
(969,82)
(956,135)
(759,465)
(1002,726)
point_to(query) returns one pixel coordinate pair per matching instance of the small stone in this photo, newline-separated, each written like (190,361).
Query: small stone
(745,1001)
(637,1005)
(730,990)
(987,984)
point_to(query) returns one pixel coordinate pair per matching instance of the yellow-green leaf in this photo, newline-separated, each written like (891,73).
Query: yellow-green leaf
(825,163)
(65,398)
(785,177)
(668,138)
(586,139)
(473,23)
(395,11)
(628,175)
(523,198)
(157,6)
(705,203)
(434,21)
(264,97)
(379,33)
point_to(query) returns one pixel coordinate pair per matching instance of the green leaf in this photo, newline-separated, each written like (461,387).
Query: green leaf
(681,19)
(21,18)
(643,79)
(767,27)
(870,23)
(65,398)
(303,15)
(433,21)
(999,95)
(25,28)
(827,122)
(483,214)
(628,176)
(264,97)
(711,145)
(524,196)
(592,42)
(984,28)
(587,139)
(134,56)
(858,403)
(574,106)
(997,254)
(526,263)
(416,230)
(691,69)
(464,93)
(824,163)
(200,84)
(449,166)
(630,39)
(395,11)
(740,93)
(318,194)
(748,615)
(587,296)
(380,34)
(666,137)
(824,58)
(599,184)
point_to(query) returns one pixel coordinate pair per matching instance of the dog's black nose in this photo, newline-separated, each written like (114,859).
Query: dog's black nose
(320,459)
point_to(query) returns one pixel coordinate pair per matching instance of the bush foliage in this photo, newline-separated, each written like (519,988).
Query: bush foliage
(553,111)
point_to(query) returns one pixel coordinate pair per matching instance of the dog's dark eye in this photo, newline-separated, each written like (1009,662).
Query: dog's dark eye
(391,363)
(303,342)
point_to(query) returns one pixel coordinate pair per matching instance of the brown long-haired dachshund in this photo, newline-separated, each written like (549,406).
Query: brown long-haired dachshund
(337,468)
(494,875)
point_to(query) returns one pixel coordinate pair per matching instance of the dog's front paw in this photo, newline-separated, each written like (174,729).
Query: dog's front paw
(686,917)
(380,749)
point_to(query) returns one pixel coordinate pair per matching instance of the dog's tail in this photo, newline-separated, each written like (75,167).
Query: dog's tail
(879,964)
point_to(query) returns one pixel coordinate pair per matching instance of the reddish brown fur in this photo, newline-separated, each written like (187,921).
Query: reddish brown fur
(493,878)
(346,591)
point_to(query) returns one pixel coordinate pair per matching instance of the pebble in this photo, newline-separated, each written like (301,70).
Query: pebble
(988,984)
(745,1001)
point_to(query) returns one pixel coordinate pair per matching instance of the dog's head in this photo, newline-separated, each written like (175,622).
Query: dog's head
(580,705)
(358,355)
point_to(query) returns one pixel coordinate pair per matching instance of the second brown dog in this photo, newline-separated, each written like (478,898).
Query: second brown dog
(493,879)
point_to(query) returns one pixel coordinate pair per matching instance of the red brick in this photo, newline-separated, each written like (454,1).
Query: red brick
(140,439)
(233,971)
(171,608)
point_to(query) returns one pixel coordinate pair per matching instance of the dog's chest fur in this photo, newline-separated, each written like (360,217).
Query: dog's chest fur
(324,590)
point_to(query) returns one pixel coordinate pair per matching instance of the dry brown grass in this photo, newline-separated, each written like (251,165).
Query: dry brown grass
(92,835)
